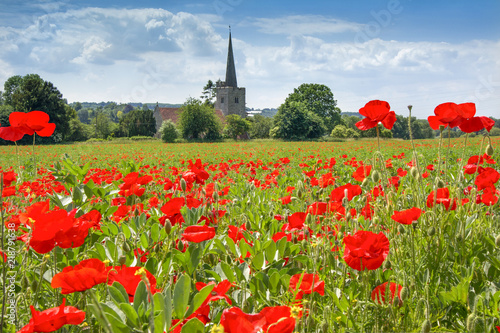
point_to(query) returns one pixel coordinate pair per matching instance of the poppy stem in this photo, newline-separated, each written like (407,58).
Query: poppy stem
(34,160)
(378,137)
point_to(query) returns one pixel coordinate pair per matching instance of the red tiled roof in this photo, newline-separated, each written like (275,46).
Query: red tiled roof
(170,113)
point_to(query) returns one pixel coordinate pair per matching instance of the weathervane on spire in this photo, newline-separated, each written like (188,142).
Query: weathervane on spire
(229,29)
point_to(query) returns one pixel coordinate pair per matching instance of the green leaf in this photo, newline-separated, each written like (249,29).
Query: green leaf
(457,293)
(131,314)
(194,325)
(167,293)
(258,261)
(199,298)
(118,286)
(155,232)
(270,249)
(144,241)
(117,295)
(126,230)
(195,258)
(141,295)
(160,318)
(182,291)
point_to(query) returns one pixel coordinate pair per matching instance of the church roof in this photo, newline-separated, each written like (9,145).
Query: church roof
(230,68)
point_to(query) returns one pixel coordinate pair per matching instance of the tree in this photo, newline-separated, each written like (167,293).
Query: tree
(30,92)
(419,129)
(260,126)
(236,126)
(318,99)
(103,126)
(208,93)
(342,132)
(294,122)
(168,131)
(138,122)
(83,114)
(198,120)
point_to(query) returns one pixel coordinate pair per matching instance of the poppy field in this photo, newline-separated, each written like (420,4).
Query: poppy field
(258,236)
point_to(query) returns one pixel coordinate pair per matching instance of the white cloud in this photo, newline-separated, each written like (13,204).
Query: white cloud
(304,25)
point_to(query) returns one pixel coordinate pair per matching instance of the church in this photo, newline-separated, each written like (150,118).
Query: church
(230,99)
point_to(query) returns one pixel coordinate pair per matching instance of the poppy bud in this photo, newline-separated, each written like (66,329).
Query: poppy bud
(497,241)
(216,196)
(426,325)
(470,321)
(489,150)
(248,225)
(122,259)
(405,293)
(401,229)
(365,182)
(414,172)
(441,128)
(300,186)
(478,325)
(24,282)
(183,184)
(300,193)
(439,183)
(348,216)
(376,220)
(324,326)
(387,264)
(180,246)
(431,231)
(375,176)
(126,247)
(410,107)
(168,226)
(460,238)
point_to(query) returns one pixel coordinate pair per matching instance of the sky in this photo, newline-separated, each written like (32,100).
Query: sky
(406,52)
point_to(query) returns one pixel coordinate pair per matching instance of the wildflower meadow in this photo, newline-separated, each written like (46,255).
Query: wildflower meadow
(257,236)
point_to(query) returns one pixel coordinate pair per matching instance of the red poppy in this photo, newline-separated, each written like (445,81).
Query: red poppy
(309,283)
(443,198)
(376,111)
(27,123)
(198,233)
(446,114)
(365,250)
(362,172)
(128,278)
(407,216)
(378,294)
(286,200)
(85,275)
(236,234)
(487,178)
(219,291)
(52,319)
(270,319)
(348,189)
(201,314)
(326,179)
(490,196)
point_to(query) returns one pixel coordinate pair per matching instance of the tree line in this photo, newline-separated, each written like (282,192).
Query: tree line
(309,112)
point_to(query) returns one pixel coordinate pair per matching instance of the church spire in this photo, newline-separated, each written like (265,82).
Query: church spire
(230,68)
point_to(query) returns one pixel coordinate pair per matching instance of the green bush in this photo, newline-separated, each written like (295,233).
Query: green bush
(168,131)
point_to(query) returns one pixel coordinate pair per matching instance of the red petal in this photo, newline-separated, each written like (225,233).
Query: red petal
(11,133)
(389,120)
(466,110)
(471,125)
(37,120)
(48,130)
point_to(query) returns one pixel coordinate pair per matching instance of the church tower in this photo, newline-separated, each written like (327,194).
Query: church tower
(230,99)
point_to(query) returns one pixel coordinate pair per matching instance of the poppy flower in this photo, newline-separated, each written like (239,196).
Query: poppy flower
(375,112)
(407,216)
(378,294)
(128,278)
(348,189)
(487,178)
(219,291)
(446,114)
(201,314)
(309,283)
(276,319)
(27,123)
(286,200)
(365,250)
(52,319)
(198,233)
(442,197)
(85,275)
(362,172)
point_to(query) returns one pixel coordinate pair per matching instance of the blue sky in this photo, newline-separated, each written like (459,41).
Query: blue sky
(403,51)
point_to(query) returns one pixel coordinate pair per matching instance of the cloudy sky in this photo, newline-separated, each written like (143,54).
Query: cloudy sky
(403,51)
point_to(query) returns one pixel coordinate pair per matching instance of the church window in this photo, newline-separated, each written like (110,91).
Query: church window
(222,99)
(236,100)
